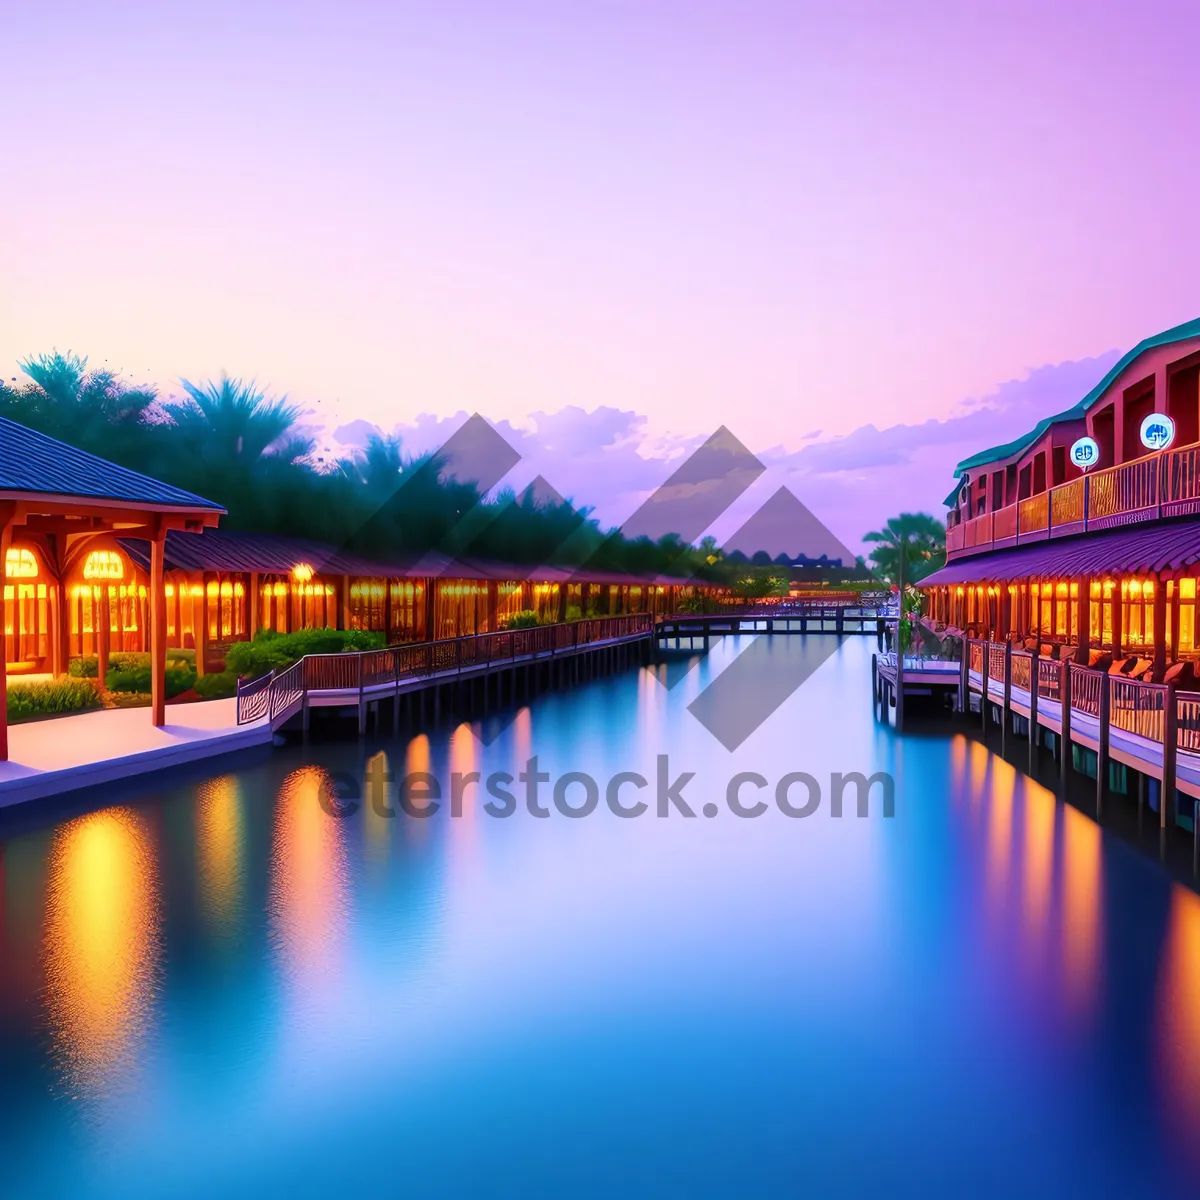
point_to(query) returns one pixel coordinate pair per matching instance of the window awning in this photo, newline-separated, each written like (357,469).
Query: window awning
(1166,550)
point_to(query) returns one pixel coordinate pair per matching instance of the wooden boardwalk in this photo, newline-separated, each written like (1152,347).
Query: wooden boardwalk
(1150,728)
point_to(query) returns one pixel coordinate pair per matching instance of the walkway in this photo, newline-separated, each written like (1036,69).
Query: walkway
(61,754)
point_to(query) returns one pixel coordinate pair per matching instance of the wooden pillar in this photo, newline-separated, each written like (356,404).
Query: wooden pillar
(562,602)
(1064,742)
(1006,706)
(1174,620)
(1083,616)
(1102,743)
(983,679)
(1034,661)
(201,630)
(1118,616)
(430,632)
(1160,629)
(158,630)
(1166,802)
(252,627)
(344,607)
(103,631)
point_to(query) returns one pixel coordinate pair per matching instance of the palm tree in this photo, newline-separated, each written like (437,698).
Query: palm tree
(910,547)
(233,422)
(91,409)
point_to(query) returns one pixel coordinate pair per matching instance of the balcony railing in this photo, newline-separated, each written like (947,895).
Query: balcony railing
(1166,484)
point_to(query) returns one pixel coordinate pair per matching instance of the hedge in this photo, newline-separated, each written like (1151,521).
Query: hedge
(180,677)
(273,651)
(525,619)
(62,695)
(88,666)
(214,687)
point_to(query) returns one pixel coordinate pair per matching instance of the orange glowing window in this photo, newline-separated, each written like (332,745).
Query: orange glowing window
(103,564)
(20,564)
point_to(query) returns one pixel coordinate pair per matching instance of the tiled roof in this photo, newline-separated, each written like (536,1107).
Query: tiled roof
(1178,333)
(272,554)
(34,462)
(1167,548)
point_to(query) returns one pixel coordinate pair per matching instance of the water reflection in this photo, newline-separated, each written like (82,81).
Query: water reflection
(101,947)
(220,850)
(1178,1019)
(1082,910)
(309,886)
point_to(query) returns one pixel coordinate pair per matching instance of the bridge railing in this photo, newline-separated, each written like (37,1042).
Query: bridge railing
(359,670)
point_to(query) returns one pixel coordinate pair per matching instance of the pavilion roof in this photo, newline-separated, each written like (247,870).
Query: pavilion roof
(268,553)
(33,462)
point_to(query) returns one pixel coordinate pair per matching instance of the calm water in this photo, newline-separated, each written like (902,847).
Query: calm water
(219,986)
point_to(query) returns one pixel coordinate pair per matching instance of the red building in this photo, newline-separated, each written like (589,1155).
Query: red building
(1099,558)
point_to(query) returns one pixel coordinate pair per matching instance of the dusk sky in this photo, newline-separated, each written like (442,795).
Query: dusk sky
(614,225)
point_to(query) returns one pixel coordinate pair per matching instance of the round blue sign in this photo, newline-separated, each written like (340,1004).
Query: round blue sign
(1085,453)
(1158,431)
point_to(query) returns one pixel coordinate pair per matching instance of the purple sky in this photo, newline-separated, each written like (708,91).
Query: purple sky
(788,218)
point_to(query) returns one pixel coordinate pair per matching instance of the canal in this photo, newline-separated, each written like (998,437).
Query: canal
(219,985)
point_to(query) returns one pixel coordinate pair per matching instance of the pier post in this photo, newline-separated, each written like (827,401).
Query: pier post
(840,623)
(1102,744)
(1064,741)
(963,677)
(984,663)
(878,630)
(1166,804)
(1006,710)
(362,704)
(874,685)
(1034,659)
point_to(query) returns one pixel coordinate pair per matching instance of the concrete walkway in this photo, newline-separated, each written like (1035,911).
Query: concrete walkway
(61,754)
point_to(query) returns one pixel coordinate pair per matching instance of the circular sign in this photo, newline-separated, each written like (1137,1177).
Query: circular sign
(1085,453)
(1158,431)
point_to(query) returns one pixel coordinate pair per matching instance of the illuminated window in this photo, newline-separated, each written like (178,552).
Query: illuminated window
(302,572)
(20,564)
(103,564)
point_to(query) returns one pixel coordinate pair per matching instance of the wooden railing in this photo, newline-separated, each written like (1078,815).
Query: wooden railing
(1163,484)
(1049,678)
(1021,661)
(1033,514)
(276,692)
(1134,706)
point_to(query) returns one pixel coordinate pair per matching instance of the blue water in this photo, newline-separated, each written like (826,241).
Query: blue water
(217,986)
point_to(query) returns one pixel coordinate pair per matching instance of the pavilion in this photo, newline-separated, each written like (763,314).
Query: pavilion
(61,510)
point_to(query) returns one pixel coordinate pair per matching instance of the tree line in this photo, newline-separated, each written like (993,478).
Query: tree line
(228,441)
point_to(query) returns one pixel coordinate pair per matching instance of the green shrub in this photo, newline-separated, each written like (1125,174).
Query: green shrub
(88,666)
(135,677)
(62,695)
(273,651)
(214,687)
(525,619)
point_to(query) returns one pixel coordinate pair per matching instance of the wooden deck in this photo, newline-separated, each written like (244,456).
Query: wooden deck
(1150,728)
(82,750)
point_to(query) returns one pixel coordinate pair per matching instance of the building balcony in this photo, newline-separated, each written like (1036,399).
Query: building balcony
(1155,488)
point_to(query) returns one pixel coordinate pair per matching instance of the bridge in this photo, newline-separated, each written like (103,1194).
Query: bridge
(494,668)
(855,616)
